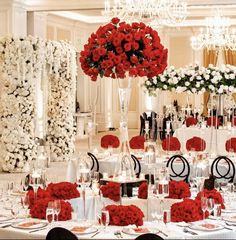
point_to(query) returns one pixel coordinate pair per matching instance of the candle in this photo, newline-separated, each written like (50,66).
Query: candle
(168,125)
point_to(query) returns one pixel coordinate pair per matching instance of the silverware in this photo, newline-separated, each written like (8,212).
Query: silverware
(37,230)
(165,234)
(5,226)
(189,231)
(228,228)
(96,233)
(118,234)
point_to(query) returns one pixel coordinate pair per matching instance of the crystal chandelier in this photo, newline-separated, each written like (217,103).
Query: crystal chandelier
(156,12)
(217,34)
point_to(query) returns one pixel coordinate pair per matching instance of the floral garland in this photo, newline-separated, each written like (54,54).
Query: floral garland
(118,48)
(111,190)
(23,63)
(179,190)
(125,215)
(194,79)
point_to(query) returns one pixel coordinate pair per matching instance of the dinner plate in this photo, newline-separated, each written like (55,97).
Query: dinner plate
(138,231)
(229,210)
(79,230)
(4,218)
(206,226)
(17,193)
(29,225)
(231,219)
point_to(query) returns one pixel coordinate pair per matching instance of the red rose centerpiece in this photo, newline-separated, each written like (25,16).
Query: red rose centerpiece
(137,142)
(171,144)
(191,121)
(110,141)
(196,144)
(143,191)
(111,190)
(125,215)
(188,211)
(212,194)
(179,190)
(230,145)
(118,48)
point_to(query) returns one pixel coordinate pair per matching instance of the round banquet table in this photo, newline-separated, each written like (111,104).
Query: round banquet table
(215,139)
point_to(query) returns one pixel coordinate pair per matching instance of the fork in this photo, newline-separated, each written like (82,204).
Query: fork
(116,233)
(189,231)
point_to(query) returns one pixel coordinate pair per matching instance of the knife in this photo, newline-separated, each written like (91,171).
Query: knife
(94,234)
(36,230)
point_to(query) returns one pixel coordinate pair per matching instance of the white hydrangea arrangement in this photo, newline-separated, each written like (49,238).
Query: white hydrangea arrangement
(194,79)
(23,61)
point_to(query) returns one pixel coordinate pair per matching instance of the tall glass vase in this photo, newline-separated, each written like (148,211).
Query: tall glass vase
(124,170)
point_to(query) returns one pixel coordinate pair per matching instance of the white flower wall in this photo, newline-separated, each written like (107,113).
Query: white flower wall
(23,62)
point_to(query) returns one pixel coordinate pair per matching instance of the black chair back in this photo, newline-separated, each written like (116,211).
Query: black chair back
(142,125)
(137,165)
(95,164)
(176,172)
(149,236)
(59,233)
(223,168)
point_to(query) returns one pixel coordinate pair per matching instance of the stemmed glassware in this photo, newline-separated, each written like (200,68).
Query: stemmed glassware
(36,181)
(105,219)
(15,207)
(50,211)
(210,205)
(83,177)
(25,202)
(204,203)
(57,208)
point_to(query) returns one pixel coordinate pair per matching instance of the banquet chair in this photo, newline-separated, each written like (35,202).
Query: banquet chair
(176,172)
(149,236)
(223,168)
(137,165)
(142,125)
(59,233)
(95,164)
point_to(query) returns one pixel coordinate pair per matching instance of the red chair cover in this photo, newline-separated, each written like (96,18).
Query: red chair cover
(196,144)
(230,145)
(191,121)
(137,142)
(212,121)
(171,144)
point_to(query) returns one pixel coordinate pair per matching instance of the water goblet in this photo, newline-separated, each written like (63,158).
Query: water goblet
(105,218)
(50,212)
(210,205)
(204,206)
(57,208)
(15,207)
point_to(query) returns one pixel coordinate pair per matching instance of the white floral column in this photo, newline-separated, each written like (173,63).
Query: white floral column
(20,67)
(61,99)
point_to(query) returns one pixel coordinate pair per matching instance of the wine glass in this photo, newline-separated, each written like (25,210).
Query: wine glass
(50,211)
(15,207)
(83,177)
(36,181)
(204,202)
(57,207)
(105,218)
(95,177)
(25,202)
(210,205)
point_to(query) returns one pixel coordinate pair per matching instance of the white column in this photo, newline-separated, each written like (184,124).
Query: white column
(13,18)
(37,24)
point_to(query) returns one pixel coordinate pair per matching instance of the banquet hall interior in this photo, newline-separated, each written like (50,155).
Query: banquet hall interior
(117,119)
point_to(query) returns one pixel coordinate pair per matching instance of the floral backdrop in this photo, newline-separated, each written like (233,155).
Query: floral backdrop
(23,62)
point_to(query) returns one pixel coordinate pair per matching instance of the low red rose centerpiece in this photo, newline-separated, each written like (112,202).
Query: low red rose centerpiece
(119,49)
(125,215)
(179,190)
(110,141)
(171,144)
(196,144)
(191,121)
(62,191)
(111,190)
(213,121)
(137,142)
(230,145)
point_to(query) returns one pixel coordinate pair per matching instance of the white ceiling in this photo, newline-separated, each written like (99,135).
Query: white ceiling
(90,11)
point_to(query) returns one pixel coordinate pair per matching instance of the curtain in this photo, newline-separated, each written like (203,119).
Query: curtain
(230,58)
(209,57)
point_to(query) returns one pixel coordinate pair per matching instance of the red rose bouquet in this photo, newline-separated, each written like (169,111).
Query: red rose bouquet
(171,144)
(111,190)
(125,215)
(213,121)
(230,145)
(196,144)
(188,211)
(118,48)
(41,194)
(191,121)
(178,190)
(212,194)
(137,142)
(143,191)
(110,140)
(63,190)
(38,210)
(234,121)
